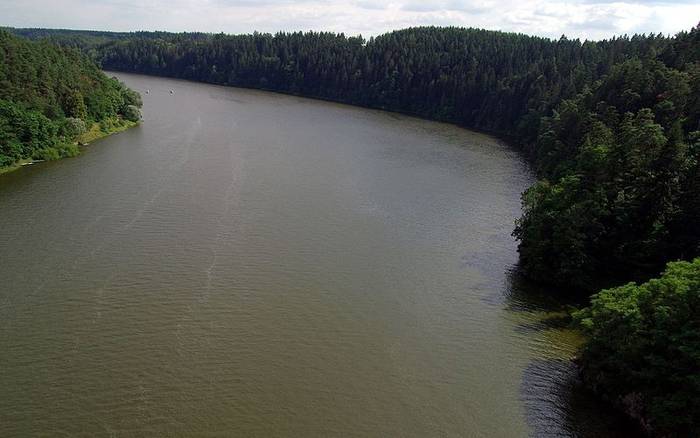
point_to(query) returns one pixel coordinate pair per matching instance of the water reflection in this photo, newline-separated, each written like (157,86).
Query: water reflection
(556,402)
(552,391)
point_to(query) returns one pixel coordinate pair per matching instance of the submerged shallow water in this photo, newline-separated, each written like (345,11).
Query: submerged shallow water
(252,264)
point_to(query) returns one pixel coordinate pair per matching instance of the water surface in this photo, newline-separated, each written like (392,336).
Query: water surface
(252,264)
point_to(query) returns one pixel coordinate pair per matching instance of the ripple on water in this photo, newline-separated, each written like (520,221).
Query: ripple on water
(267,265)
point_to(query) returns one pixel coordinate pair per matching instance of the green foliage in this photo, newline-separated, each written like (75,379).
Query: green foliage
(74,105)
(644,341)
(132,113)
(22,132)
(560,220)
(48,96)
(74,127)
(131,98)
(620,166)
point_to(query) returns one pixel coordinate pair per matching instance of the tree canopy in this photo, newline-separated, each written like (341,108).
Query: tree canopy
(644,348)
(49,95)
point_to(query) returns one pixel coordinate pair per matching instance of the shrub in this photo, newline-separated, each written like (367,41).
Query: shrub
(644,345)
(75,127)
(132,113)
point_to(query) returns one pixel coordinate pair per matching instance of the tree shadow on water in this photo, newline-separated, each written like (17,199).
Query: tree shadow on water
(558,405)
(521,294)
(556,402)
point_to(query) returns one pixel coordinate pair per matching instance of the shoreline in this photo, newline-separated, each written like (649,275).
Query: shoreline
(93,134)
(510,140)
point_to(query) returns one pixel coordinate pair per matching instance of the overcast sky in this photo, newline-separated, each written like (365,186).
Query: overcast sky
(585,19)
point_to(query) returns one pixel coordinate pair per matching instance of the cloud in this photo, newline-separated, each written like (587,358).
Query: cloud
(585,19)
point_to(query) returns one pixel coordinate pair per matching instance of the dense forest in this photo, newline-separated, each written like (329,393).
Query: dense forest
(612,129)
(51,97)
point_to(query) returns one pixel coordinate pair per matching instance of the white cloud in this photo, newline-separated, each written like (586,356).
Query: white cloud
(585,19)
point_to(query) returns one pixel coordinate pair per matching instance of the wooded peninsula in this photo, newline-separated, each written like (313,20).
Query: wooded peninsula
(54,98)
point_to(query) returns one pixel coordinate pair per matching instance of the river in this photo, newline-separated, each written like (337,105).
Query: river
(251,264)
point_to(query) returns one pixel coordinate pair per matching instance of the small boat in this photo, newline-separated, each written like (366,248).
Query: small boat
(172,92)
(29,163)
(148,91)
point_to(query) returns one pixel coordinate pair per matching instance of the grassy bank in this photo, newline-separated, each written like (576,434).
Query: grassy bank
(97,131)
(104,129)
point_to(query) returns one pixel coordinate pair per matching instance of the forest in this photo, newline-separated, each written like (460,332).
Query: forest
(611,127)
(53,97)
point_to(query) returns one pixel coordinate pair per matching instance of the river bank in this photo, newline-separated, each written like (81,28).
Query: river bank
(67,150)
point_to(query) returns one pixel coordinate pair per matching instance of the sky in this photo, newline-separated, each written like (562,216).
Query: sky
(584,19)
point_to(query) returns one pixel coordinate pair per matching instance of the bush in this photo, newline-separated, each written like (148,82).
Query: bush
(132,113)
(107,125)
(47,154)
(644,346)
(130,96)
(74,127)
(69,150)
